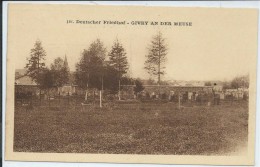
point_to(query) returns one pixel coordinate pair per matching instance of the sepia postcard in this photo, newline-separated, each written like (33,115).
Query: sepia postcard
(131,84)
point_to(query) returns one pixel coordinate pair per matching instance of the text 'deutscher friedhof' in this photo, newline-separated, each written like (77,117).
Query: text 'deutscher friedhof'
(132,23)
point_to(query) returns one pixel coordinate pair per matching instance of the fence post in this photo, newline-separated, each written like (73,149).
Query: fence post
(100,103)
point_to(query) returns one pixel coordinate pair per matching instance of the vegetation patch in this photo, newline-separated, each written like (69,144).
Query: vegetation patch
(143,128)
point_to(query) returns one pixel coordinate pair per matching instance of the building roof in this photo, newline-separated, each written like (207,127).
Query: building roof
(23,80)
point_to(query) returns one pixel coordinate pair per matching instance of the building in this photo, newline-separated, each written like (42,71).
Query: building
(24,84)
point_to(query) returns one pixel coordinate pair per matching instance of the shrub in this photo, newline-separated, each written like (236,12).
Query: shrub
(164,96)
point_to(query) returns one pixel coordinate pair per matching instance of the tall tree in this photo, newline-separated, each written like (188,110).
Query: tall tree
(60,71)
(89,70)
(36,62)
(156,57)
(36,66)
(118,60)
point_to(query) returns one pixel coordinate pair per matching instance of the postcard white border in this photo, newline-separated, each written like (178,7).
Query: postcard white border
(230,4)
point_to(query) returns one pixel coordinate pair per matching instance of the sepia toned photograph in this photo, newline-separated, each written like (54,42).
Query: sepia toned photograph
(128,81)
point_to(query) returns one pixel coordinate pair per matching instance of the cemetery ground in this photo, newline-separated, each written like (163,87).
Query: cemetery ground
(133,128)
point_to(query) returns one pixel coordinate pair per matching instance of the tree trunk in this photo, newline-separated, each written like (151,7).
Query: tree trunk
(102,83)
(38,71)
(48,98)
(86,97)
(40,97)
(102,86)
(119,95)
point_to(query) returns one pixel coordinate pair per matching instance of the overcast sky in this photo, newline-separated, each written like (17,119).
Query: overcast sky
(218,46)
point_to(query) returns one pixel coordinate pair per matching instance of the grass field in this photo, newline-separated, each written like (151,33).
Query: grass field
(138,128)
